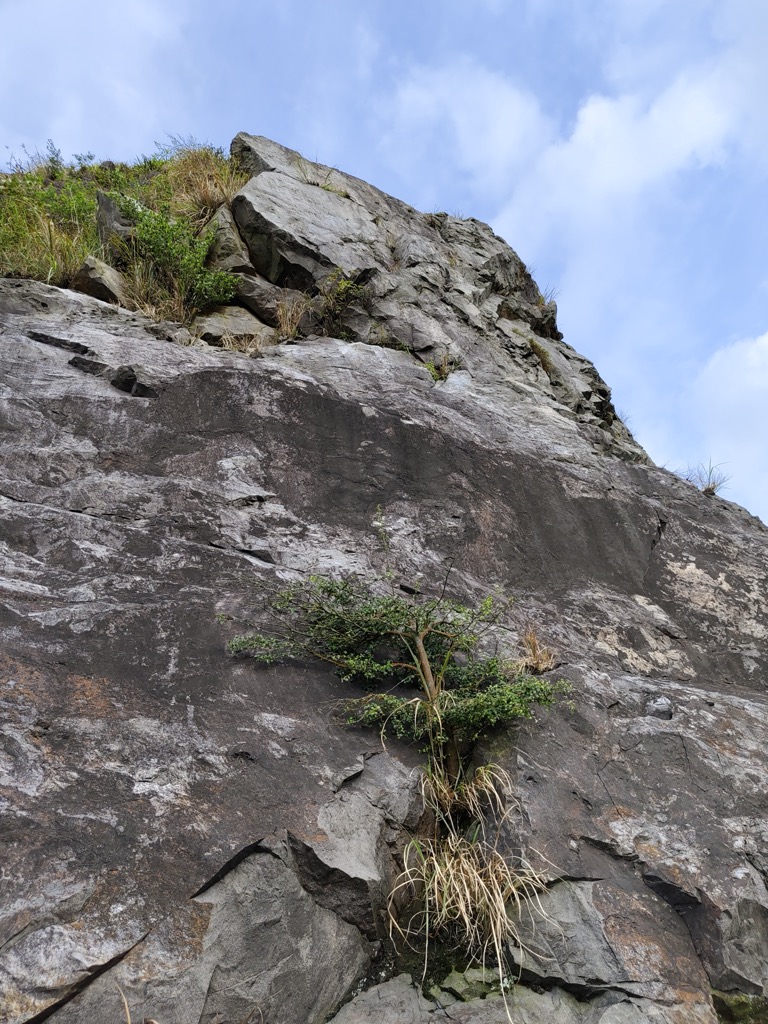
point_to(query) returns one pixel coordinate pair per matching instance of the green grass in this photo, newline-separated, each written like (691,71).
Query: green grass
(543,356)
(48,222)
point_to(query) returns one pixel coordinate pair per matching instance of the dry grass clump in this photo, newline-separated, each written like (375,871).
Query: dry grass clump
(709,479)
(541,353)
(247,344)
(148,293)
(464,890)
(467,891)
(400,249)
(291,310)
(536,657)
(201,179)
(486,790)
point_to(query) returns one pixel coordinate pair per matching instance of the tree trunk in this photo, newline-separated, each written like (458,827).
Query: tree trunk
(426,669)
(452,759)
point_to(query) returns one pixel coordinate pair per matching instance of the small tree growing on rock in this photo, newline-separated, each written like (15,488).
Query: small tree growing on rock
(434,676)
(394,645)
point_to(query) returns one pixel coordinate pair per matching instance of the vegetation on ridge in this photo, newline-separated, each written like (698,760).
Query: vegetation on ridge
(48,222)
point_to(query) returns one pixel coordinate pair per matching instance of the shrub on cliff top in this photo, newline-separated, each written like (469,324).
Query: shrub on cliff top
(176,255)
(48,212)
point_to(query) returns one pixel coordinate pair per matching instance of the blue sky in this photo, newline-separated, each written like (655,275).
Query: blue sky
(620,146)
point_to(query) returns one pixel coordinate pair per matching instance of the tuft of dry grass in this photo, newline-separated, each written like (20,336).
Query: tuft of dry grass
(201,179)
(247,344)
(469,892)
(709,479)
(541,353)
(536,657)
(291,310)
(400,249)
(486,790)
(462,887)
(148,293)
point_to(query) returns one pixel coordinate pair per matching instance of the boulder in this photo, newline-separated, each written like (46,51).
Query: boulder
(231,323)
(228,251)
(264,299)
(101,281)
(115,227)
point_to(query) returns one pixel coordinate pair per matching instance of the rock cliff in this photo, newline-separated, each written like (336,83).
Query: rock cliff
(203,835)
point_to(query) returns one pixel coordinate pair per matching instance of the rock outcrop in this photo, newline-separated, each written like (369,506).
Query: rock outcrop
(204,836)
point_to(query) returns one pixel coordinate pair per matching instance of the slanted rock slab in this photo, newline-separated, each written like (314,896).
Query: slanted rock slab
(231,322)
(98,279)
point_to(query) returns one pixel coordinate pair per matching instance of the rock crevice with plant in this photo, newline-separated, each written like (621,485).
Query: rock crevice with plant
(449,654)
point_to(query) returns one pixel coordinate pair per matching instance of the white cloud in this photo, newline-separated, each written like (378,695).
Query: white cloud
(107,73)
(620,148)
(467,118)
(726,403)
(611,200)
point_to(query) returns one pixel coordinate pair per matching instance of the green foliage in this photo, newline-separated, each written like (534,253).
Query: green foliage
(395,645)
(543,356)
(738,1008)
(442,369)
(48,217)
(178,255)
(337,294)
(435,678)
(47,227)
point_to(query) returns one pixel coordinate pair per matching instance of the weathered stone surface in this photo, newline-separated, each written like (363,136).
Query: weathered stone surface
(445,288)
(264,298)
(601,815)
(231,322)
(115,228)
(207,835)
(396,1001)
(228,251)
(250,941)
(101,281)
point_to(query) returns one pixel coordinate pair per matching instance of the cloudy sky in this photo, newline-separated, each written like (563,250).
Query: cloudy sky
(620,146)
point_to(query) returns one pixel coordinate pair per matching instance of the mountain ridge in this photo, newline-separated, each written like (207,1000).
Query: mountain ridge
(169,811)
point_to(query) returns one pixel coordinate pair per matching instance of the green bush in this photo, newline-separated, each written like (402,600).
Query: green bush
(437,680)
(47,228)
(48,221)
(337,294)
(178,255)
(394,645)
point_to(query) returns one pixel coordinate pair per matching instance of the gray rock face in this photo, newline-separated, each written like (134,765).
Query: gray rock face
(228,251)
(207,835)
(103,282)
(115,229)
(231,322)
(444,288)
(399,1000)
